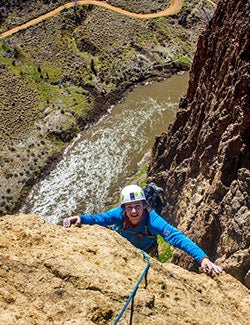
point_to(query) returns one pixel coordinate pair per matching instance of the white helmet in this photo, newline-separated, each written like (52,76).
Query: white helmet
(132,193)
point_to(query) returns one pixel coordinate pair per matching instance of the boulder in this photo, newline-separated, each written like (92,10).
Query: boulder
(53,275)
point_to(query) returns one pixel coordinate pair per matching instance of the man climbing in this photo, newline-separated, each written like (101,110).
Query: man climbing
(140,224)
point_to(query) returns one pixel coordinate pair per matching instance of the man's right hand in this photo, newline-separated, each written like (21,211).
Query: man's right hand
(75,220)
(209,268)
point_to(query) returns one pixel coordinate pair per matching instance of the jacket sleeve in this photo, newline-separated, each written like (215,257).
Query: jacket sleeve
(175,237)
(110,217)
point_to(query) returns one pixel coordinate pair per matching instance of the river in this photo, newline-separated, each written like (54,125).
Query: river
(99,161)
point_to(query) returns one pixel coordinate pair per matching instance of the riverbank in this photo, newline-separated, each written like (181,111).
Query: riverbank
(58,78)
(101,159)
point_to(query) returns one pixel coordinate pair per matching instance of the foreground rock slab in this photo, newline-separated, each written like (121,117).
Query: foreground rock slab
(52,275)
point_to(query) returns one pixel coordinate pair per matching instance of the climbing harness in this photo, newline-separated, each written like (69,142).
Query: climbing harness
(138,235)
(133,293)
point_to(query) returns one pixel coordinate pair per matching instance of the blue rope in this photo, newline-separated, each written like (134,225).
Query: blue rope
(135,288)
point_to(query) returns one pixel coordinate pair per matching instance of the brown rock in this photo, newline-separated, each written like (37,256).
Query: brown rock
(205,156)
(247,279)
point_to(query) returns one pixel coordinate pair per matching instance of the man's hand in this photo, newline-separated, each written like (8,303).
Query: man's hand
(75,220)
(208,267)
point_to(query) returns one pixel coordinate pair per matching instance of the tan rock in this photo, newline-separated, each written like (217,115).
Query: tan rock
(53,275)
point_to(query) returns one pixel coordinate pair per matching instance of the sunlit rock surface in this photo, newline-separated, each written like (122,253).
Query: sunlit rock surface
(53,275)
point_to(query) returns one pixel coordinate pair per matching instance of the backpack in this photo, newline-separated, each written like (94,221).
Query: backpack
(155,197)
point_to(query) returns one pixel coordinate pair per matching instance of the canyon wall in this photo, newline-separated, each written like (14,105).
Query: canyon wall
(203,160)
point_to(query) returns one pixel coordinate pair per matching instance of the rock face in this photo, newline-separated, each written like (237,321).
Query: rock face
(203,161)
(53,275)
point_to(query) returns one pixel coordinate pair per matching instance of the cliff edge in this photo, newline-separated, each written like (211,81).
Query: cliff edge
(53,275)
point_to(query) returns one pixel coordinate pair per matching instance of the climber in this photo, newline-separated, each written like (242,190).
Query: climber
(135,220)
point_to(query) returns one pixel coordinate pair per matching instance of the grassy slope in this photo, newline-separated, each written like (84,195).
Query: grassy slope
(52,74)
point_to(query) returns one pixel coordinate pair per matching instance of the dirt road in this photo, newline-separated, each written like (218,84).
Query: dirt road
(174,8)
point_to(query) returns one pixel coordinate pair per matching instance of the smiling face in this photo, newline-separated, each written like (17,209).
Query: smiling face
(134,211)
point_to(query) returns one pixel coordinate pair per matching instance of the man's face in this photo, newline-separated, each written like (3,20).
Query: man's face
(134,211)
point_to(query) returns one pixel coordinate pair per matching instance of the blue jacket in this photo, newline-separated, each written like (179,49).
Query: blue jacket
(143,235)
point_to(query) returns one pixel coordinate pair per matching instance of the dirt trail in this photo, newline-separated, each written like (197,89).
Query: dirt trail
(174,8)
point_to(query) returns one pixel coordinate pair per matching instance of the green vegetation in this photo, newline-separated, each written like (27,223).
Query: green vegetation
(46,80)
(165,251)
(140,177)
(164,28)
(72,43)
(4,46)
(183,59)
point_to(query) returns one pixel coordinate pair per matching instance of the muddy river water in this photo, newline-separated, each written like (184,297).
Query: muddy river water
(99,161)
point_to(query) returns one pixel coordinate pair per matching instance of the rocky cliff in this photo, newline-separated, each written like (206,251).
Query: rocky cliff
(203,161)
(53,275)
